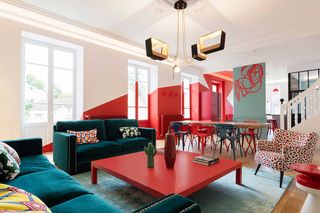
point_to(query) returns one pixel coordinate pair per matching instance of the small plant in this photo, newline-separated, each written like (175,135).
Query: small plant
(150,151)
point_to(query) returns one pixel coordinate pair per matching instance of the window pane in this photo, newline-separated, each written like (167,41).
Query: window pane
(143,113)
(131,93)
(143,94)
(36,54)
(131,73)
(62,95)
(214,88)
(186,113)
(131,113)
(294,81)
(186,98)
(63,59)
(313,77)
(303,80)
(62,112)
(143,75)
(36,94)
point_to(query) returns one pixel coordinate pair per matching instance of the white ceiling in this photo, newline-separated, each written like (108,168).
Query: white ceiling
(285,32)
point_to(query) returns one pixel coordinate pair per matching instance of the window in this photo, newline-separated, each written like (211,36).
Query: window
(138,92)
(48,83)
(214,87)
(186,97)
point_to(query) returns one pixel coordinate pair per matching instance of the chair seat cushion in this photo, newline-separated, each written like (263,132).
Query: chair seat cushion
(133,144)
(103,149)
(52,186)
(34,163)
(273,160)
(85,204)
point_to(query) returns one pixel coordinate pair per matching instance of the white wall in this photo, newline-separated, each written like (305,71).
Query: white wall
(105,74)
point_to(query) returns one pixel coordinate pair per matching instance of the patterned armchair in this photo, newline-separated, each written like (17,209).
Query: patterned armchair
(285,149)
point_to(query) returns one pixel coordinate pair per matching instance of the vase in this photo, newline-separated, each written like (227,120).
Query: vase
(150,161)
(170,149)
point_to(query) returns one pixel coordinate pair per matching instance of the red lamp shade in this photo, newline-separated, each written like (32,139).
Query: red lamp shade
(275,90)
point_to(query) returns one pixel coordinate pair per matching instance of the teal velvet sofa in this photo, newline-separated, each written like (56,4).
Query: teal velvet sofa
(62,194)
(73,158)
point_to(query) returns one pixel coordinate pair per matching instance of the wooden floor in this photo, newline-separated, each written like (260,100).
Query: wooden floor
(293,198)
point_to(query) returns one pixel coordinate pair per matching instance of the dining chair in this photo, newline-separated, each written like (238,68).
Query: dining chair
(201,134)
(249,135)
(231,133)
(180,133)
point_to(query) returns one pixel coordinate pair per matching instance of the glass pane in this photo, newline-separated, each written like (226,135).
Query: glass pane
(186,113)
(36,94)
(186,83)
(131,73)
(214,88)
(186,98)
(131,93)
(303,80)
(143,75)
(313,77)
(294,81)
(131,113)
(63,59)
(36,54)
(143,94)
(62,94)
(143,113)
(62,112)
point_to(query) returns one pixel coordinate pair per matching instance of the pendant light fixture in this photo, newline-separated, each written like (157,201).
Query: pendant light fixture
(159,50)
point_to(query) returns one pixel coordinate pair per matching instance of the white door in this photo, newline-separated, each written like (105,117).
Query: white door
(48,88)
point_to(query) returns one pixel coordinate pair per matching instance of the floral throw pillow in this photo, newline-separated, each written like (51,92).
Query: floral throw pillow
(12,152)
(129,132)
(9,168)
(85,137)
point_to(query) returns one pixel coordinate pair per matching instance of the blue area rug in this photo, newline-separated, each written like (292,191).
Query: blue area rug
(257,194)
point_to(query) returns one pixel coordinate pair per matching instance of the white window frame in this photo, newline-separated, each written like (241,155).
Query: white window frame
(136,67)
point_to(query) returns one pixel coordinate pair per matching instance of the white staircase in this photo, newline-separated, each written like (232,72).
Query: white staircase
(303,111)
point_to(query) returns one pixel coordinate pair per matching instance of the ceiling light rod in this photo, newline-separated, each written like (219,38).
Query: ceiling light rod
(159,50)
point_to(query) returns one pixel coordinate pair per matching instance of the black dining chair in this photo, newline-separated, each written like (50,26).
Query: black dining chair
(231,133)
(181,134)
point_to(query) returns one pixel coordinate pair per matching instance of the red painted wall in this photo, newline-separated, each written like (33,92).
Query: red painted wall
(169,100)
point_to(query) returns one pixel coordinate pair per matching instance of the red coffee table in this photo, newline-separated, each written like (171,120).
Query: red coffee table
(186,178)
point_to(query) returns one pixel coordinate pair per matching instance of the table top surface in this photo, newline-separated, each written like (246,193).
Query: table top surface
(307,169)
(234,123)
(160,181)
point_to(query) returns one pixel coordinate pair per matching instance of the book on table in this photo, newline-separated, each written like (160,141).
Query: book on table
(206,159)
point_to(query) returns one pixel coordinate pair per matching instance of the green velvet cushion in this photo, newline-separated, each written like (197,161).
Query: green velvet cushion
(113,125)
(63,126)
(85,204)
(171,203)
(103,149)
(133,144)
(34,163)
(52,186)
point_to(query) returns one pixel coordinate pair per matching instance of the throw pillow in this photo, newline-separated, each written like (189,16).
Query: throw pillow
(85,137)
(11,151)
(129,132)
(13,199)
(9,168)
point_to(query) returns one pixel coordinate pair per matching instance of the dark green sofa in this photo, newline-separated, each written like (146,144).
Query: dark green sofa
(61,193)
(73,158)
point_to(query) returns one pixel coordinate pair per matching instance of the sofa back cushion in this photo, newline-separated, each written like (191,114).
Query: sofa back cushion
(63,126)
(113,125)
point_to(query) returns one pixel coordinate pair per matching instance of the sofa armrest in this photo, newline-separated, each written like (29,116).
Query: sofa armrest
(265,145)
(26,146)
(171,204)
(149,133)
(64,151)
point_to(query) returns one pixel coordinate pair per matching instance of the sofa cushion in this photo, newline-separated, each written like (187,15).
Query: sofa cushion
(14,199)
(103,149)
(85,204)
(133,144)
(34,163)
(11,151)
(52,186)
(63,126)
(9,168)
(86,136)
(113,125)
(129,132)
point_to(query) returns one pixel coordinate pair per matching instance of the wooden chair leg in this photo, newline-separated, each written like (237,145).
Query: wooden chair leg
(258,167)
(281,178)
(221,142)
